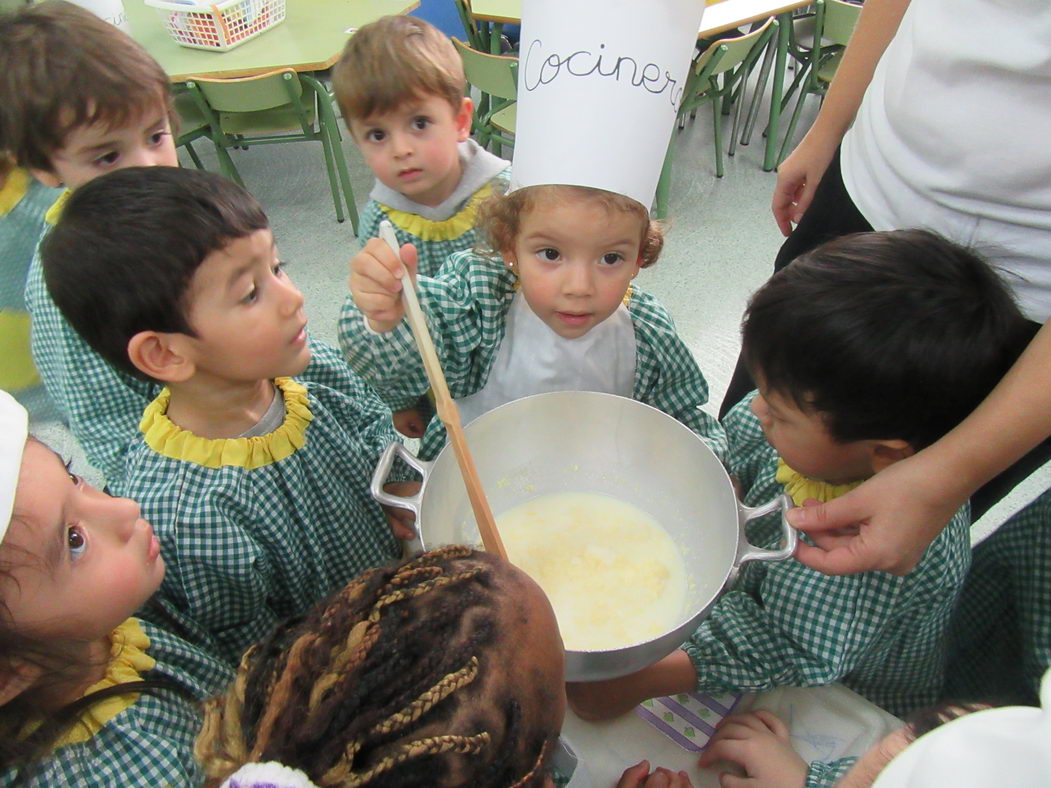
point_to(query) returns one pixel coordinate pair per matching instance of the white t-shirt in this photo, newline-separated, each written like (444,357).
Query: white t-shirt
(954,134)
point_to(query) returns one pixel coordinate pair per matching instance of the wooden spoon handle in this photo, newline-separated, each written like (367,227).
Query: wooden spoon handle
(446,407)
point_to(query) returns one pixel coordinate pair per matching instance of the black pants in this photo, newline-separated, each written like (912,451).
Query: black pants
(831,215)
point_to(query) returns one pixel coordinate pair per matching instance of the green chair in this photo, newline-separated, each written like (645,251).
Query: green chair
(193,125)
(714,76)
(820,42)
(474,34)
(496,76)
(279,106)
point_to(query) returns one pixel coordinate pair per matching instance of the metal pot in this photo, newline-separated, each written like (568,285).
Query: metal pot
(577,441)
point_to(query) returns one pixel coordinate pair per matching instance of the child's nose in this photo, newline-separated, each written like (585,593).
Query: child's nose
(145,157)
(401,144)
(121,514)
(293,298)
(578,279)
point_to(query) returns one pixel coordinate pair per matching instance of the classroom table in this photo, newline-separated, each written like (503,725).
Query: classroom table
(309,39)
(719,16)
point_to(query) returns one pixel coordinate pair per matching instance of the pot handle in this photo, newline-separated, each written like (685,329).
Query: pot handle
(379,478)
(748,552)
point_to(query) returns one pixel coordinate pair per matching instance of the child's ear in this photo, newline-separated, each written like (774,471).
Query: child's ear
(888,452)
(162,356)
(463,119)
(46,177)
(16,679)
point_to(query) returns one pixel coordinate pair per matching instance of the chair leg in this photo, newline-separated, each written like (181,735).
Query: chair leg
(717,117)
(193,155)
(737,116)
(660,210)
(340,162)
(326,147)
(226,164)
(786,144)
(760,88)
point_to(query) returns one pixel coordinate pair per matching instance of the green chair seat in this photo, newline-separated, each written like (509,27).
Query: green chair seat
(276,107)
(504,119)
(496,76)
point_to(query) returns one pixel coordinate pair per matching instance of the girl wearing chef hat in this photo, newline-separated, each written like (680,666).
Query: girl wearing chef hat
(88,694)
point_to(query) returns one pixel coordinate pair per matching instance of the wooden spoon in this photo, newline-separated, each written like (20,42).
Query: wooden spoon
(446,407)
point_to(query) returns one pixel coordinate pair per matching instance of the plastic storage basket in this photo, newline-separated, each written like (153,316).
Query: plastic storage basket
(221,26)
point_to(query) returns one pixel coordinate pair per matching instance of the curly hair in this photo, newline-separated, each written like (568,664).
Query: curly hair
(499,217)
(393,681)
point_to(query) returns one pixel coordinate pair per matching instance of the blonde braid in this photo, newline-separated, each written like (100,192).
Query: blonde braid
(220,746)
(281,693)
(428,699)
(529,776)
(420,748)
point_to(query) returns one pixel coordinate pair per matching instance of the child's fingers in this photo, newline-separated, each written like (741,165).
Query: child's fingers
(773,723)
(732,750)
(727,780)
(634,775)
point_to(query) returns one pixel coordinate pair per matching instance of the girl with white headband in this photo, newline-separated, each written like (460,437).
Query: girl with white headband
(89,696)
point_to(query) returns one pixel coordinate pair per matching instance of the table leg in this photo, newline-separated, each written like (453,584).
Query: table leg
(770,160)
(760,87)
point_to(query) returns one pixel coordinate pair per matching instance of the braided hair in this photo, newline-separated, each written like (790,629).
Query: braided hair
(394,681)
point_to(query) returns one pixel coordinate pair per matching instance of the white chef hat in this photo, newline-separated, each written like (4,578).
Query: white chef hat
(14,429)
(1009,746)
(599,85)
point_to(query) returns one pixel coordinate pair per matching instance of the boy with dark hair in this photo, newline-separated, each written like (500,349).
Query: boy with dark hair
(400,86)
(866,350)
(256,482)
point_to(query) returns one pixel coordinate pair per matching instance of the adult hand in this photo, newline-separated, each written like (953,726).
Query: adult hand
(376,276)
(797,180)
(639,776)
(759,743)
(885,524)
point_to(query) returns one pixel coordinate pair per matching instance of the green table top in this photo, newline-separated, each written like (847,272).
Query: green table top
(309,39)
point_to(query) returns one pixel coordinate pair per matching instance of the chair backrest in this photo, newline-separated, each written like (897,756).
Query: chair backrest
(496,75)
(839,21)
(728,53)
(251,94)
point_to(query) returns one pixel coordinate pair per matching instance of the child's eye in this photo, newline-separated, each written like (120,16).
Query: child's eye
(253,294)
(77,542)
(107,159)
(612,258)
(375,135)
(278,268)
(158,137)
(548,253)
(420,123)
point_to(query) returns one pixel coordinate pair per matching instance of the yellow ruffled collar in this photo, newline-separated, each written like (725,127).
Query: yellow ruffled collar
(447,230)
(59,205)
(14,189)
(801,488)
(128,661)
(169,440)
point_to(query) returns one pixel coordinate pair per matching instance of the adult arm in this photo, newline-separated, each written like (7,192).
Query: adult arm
(799,174)
(900,510)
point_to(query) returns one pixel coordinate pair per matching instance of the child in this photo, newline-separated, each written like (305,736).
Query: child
(557,313)
(1000,635)
(865,350)
(23,203)
(82,98)
(256,482)
(403,678)
(760,743)
(400,87)
(88,696)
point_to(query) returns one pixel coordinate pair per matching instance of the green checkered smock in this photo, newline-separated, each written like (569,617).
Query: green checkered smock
(23,204)
(249,541)
(466,307)
(826,775)
(103,405)
(1000,638)
(784,624)
(435,241)
(150,743)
